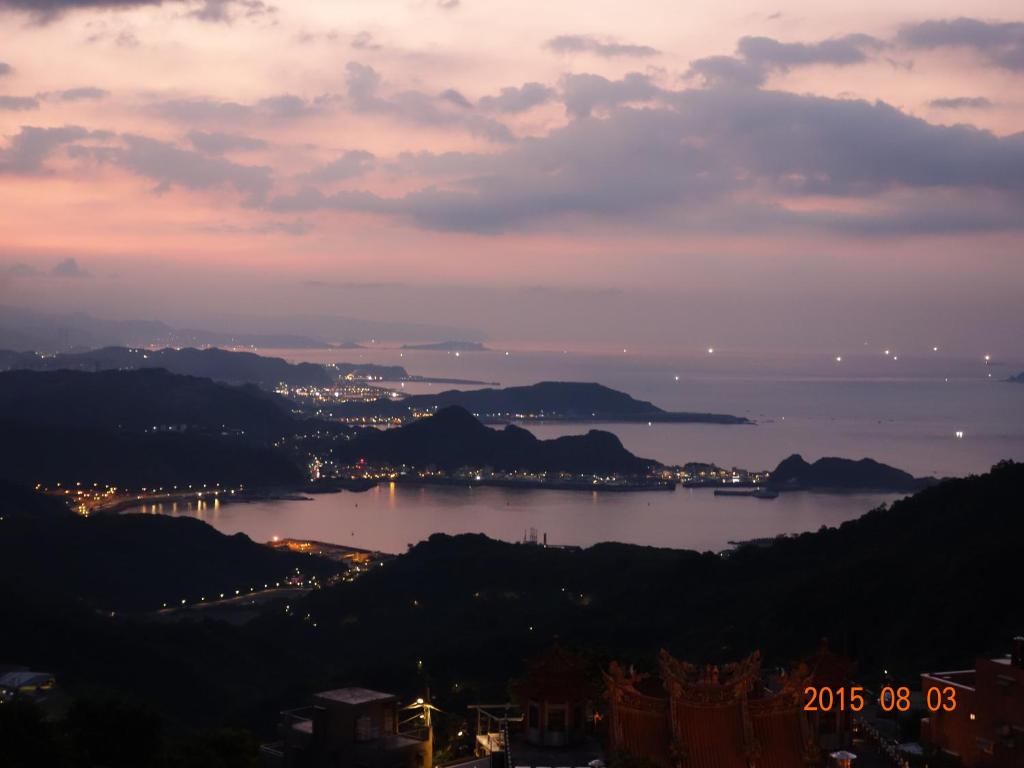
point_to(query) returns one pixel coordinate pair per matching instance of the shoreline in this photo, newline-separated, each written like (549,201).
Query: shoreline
(305,493)
(243,496)
(563,485)
(134,504)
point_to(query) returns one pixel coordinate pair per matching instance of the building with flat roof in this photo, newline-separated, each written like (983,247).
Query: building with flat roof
(985,727)
(349,728)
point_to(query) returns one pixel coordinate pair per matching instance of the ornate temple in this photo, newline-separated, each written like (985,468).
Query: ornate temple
(733,716)
(557,695)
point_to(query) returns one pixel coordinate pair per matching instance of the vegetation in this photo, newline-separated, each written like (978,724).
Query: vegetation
(139,562)
(453,438)
(928,583)
(834,474)
(49,455)
(552,400)
(115,733)
(139,400)
(141,428)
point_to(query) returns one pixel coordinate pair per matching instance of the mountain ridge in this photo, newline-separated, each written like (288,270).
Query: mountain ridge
(454,438)
(832,473)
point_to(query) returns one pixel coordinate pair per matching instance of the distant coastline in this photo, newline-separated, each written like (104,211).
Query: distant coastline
(626,486)
(448,346)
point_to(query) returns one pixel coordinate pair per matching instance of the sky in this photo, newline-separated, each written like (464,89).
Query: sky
(771,175)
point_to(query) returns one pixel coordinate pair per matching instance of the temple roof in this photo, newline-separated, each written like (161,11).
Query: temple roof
(828,668)
(634,689)
(715,716)
(556,675)
(709,683)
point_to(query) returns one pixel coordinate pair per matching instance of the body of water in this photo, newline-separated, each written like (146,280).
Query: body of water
(905,411)
(901,409)
(390,517)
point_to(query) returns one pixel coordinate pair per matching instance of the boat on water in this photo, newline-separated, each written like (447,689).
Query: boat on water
(757,493)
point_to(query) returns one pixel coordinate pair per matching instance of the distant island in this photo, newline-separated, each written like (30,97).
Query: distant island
(25,329)
(452,438)
(165,432)
(545,401)
(449,346)
(1018,379)
(835,474)
(152,433)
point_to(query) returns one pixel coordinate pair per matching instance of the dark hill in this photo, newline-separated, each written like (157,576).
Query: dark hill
(453,438)
(830,473)
(566,398)
(139,400)
(51,454)
(1018,379)
(140,428)
(552,400)
(21,502)
(211,363)
(138,562)
(930,583)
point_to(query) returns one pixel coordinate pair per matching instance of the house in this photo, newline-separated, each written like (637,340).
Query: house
(350,728)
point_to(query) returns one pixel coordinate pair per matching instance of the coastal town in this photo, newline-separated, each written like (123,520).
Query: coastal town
(563,710)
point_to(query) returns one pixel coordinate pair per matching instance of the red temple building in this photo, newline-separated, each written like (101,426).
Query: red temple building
(828,669)
(985,729)
(731,716)
(638,720)
(557,695)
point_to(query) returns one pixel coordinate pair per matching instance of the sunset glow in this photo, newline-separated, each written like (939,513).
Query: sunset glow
(387,156)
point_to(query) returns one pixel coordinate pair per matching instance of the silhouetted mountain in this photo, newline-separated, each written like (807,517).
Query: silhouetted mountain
(933,580)
(453,438)
(929,583)
(1018,379)
(564,398)
(834,474)
(138,562)
(137,428)
(19,501)
(551,400)
(48,454)
(213,363)
(140,400)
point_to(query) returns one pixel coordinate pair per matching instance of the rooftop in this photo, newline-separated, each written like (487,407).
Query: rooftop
(354,696)
(964,678)
(25,678)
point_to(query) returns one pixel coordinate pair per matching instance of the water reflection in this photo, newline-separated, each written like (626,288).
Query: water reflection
(390,517)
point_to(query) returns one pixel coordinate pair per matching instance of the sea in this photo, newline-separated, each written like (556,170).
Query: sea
(922,411)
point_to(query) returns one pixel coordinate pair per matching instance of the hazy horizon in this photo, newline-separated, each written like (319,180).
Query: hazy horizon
(785,178)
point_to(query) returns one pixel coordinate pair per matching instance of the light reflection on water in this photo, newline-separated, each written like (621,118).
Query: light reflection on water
(905,414)
(389,517)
